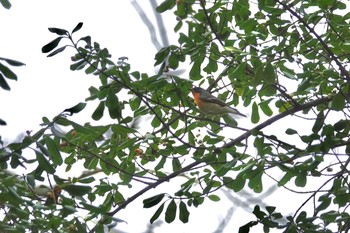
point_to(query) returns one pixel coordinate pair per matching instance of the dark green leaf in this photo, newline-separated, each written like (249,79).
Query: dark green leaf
(113,105)
(78,27)
(269,74)
(258,77)
(43,149)
(50,46)
(77,190)
(195,72)
(270,209)
(157,213)
(176,164)
(286,178)
(170,212)
(214,197)
(59,31)
(301,217)
(3,83)
(87,39)
(319,122)
(178,26)
(166,5)
(77,108)
(57,51)
(6,4)
(325,202)
(258,213)
(87,180)
(338,102)
(54,151)
(290,131)
(78,65)
(184,214)
(98,113)
(266,108)
(7,72)
(238,183)
(44,163)
(246,228)
(255,118)
(152,201)
(2,122)
(12,62)
(300,180)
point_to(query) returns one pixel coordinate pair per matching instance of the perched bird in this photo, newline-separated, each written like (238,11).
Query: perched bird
(210,105)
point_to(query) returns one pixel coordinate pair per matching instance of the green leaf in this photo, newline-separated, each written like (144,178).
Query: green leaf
(152,201)
(255,118)
(157,213)
(50,46)
(43,149)
(170,212)
(166,5)
(78,27)
(266,108)
(269,74)
(246,228)
(57,51)
(77,190)
(7,72)
(2,122)
(195,72)
(3,83)
(325,202)
(12,62)
(44,163)
(255,182)
(184,214)
(176,164)
(113,105)
(301,217)
(290,131)
(270,209)
(301,179)
(214,198)
(54,151)
(87,180)
(75,109)
(285,179)
(87,39)
(92,68)
(238,183)
(78,65)
(258,76)
(258,213)
(319,122)
(6,4)
(58,31)
(338,102)
(98,113)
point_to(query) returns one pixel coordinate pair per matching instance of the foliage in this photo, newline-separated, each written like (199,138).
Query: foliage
(286,62)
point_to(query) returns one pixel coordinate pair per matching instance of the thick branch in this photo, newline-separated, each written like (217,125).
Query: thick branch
(274,119)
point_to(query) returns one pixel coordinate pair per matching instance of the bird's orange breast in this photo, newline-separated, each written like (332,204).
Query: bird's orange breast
(196,97)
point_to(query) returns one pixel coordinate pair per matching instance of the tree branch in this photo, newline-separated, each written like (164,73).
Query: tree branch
(323,43)
(274,119)
(144,190)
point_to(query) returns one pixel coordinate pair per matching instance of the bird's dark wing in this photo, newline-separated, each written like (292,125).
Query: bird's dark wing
(206,96)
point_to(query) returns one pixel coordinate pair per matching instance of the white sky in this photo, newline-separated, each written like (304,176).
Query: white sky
(46,86)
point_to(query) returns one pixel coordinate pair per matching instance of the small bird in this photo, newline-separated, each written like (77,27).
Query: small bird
(210,105)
